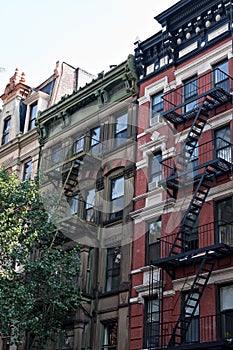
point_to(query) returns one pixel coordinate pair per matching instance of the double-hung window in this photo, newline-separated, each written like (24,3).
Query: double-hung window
(79,145)
(109,335)
(32,116)
(190,92)
(94,143)
(192,333)
(113,269)
(27,169)
(6,131)
(73,203)
(155,169)
(89,211)
(220,75)
(151,330)
(222,143)
(224,209)
(116,197)
(157,105)
(153,241)
(226,311)
(120,129)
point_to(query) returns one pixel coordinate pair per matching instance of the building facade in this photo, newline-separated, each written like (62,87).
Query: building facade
(88,143)
(182,274)
(19,137)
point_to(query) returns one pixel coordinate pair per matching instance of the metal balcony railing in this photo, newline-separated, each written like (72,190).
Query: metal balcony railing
(209,329)
(200,237)
(215,83)
(216,152)
(55,159)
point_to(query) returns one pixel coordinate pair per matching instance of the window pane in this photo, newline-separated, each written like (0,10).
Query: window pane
(121,123)
(32,117)
(117,187)
(79,145)
(95,136)
(226,298)
(27,170)
(156,167)
(152,323)
(113,268)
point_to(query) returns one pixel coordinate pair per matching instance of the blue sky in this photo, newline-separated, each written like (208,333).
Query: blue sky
(90,34)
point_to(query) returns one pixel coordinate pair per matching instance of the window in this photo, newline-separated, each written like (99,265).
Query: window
(109,335)
(153,241)
(116,197)
(56,156)
(32,116)
(192,159)
(155,169)
(79,145)
(151,330)
(6,131)
(221,78)
(67,340)
(190,92)
(120,131)
(192,334)
(73,203)
(27,169)
(89,211)
(226,311)
(95,141)
(85,337)
(222,143)
(224,210)
(113,269)
(156,108)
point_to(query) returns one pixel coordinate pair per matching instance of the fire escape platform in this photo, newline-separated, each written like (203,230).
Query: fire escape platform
(215,97)
(177,180)
(191,257)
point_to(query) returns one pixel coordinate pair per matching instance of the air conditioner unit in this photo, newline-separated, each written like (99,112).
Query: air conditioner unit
(155,119)
(153,185)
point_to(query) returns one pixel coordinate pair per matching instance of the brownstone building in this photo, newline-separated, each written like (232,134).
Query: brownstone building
(182,273)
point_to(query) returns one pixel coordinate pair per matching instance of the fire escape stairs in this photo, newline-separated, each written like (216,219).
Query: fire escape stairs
(193,299)
(195,131)
(191,215)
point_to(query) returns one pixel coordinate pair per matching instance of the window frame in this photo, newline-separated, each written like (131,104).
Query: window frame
(88,206)
(149,314)
(27,174)
(155,112)
(218,72)
(120,135)
(106,335)
(154,246)
(224,314)
(32,115)
(190,94)
(112,214)
(223,227)
(222,145)
(155,176)
(6,130)
(113,269)
(190,336)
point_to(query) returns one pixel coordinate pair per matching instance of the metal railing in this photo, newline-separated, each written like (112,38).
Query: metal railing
(175,99)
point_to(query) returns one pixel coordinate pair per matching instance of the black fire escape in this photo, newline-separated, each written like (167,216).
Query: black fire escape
(201,176)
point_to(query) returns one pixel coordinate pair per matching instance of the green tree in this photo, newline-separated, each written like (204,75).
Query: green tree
(38,267)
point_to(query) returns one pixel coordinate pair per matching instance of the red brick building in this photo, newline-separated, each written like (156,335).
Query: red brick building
(182,270)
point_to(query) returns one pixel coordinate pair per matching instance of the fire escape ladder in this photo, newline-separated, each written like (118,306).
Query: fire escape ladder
(70,178)
(191,215)
(193,299)
(191,141)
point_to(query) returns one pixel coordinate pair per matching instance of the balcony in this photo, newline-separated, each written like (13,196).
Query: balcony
(205,88)
(186,168)
(204,332)
(216,237)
